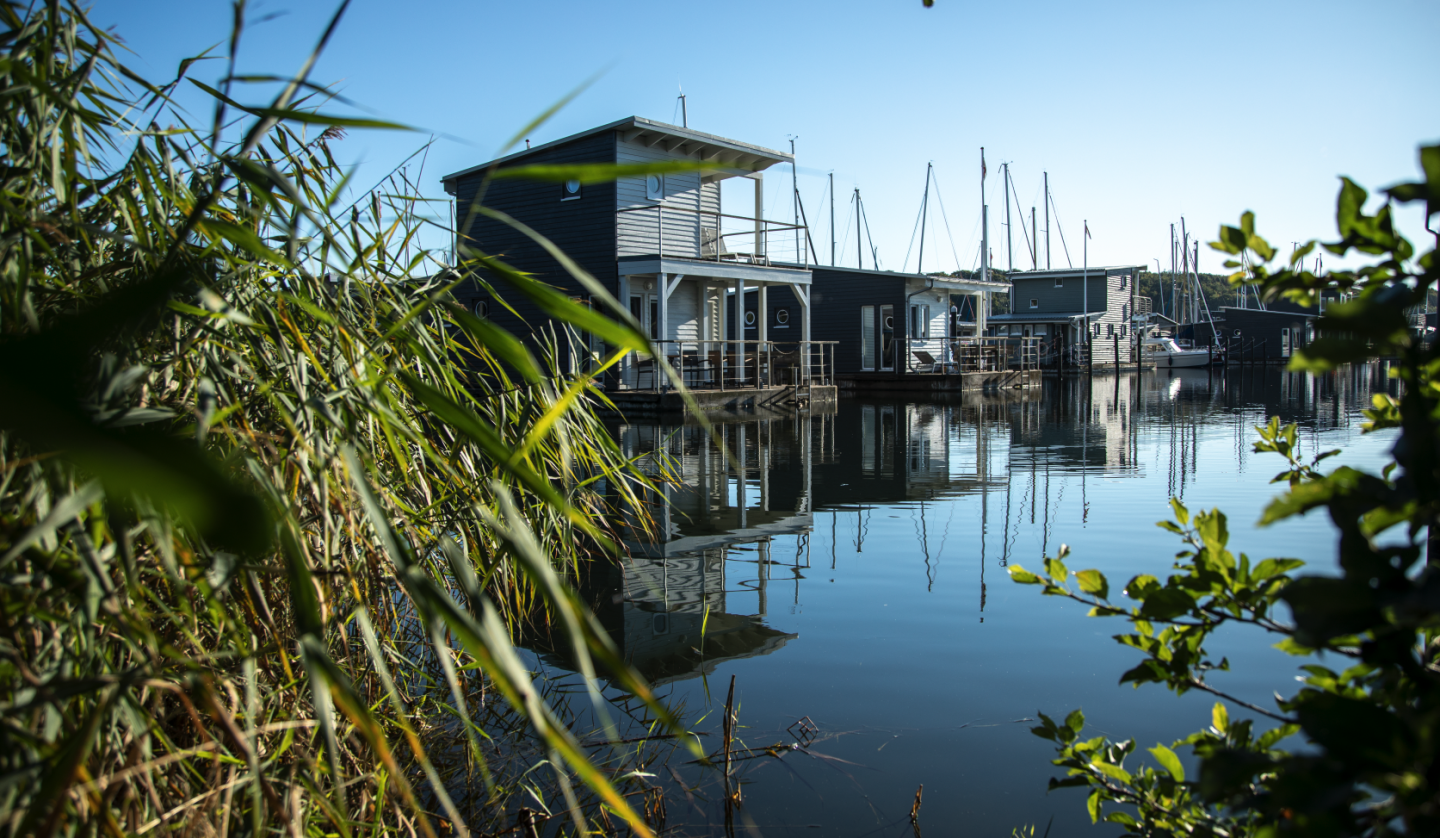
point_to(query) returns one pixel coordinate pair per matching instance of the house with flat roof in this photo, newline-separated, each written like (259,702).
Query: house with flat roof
(1082,315)
(662,244)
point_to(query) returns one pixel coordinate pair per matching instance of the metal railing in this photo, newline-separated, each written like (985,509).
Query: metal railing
(952,356)
(710,241)
(733,365)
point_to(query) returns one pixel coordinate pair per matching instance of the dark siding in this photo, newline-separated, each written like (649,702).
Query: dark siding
(1262,327)
(835,301)
(1068,299)
(584,229)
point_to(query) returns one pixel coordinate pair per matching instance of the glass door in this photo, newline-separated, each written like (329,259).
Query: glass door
(887,338)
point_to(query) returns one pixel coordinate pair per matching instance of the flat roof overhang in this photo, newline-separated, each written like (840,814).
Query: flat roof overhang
(967,284)
(1095,270)
(757,274)
(950,283)
(731,157)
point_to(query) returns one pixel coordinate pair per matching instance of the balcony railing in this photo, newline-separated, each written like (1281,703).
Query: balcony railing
(722,237)
(734,365)
(951,356)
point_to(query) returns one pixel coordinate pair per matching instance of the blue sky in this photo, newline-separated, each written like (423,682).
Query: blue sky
(1141,112)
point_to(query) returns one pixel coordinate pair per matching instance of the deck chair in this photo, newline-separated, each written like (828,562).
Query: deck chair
(926,359)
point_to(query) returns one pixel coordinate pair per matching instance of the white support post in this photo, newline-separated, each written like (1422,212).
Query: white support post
(663,314)
(739,348)
(759,214)
(702,299)
(803,295)
(628,363)
(761,316)
(982,306)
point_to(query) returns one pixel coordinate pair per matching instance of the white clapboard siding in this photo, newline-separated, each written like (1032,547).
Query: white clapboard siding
(684,314)
(638,231)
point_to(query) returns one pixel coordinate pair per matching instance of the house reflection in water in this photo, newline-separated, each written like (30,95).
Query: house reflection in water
(677,607)
(731,540)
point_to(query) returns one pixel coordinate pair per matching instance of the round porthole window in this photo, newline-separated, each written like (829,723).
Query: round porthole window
(890,321)
(749,318)
(652,186)
(482,308)
(782,316)
(1237,333)
(572,187)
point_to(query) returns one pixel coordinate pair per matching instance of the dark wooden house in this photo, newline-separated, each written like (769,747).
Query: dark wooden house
(662,244)
(1270,335)
(885,322)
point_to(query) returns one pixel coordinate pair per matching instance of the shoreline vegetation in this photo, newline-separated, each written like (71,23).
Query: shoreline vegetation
(273,507)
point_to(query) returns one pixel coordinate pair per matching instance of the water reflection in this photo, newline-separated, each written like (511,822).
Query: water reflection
(735,537)
(848,567)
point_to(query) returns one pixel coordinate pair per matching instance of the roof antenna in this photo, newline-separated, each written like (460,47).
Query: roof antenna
(684,116)
(527,142)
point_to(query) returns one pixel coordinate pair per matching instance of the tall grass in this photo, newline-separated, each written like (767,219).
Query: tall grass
(271,503)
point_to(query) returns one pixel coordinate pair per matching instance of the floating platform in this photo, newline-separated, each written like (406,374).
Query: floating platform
(927,381)
(750,400)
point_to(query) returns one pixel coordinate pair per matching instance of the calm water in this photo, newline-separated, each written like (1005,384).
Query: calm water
(853,570)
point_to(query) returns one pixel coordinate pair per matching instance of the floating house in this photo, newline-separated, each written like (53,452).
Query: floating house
(1081,315)
(891,330)
(663,245)
(1262,335)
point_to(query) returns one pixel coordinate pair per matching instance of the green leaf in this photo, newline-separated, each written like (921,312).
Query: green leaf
(1114,772)
(1023,576)
(1220,717)
(504,345)
(312,118)
(1167,604)
(1169,761)
(1181,513)
(1093,805)
(1093,582)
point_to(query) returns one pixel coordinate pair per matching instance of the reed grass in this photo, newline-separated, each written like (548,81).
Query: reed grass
(272,505)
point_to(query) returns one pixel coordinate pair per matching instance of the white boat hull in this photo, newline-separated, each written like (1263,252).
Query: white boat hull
(1167,360)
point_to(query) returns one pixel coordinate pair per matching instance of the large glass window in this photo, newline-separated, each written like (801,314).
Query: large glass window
(867,338)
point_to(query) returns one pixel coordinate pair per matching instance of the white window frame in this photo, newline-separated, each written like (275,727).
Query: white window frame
(1034,303)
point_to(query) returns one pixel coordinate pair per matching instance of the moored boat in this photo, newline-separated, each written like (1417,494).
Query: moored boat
(1167,354)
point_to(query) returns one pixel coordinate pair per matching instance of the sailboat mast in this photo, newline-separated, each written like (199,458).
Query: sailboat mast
(985,243)
(984,223)
(859,257)
(1047,221)
(1034,242)
(924,219)
(795,200)
(832,219)
(1189,296)
(1009,238)
(1173,315)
